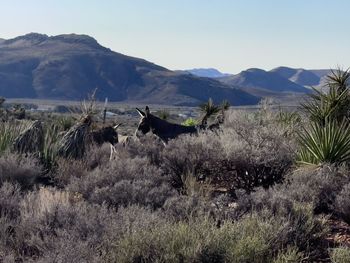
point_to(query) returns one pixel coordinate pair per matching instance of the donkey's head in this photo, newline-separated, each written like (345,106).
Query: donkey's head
(145,124)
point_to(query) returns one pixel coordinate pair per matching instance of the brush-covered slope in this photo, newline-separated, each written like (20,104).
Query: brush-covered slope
(71,66)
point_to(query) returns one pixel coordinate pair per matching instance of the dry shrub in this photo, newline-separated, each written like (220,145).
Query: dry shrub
(342,204)
(10,196)
(44,201)
(254,238)
(97,156)
(187,155)
(66,170)
(186,207)
(59,226)
(340,255)
(124,181)
(21,169)
(244,155)
(316,187)
(149,146)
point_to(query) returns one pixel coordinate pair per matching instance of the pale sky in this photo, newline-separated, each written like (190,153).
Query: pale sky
(230,35)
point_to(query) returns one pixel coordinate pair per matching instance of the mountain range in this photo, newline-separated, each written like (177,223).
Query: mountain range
(274,83)
(69,67)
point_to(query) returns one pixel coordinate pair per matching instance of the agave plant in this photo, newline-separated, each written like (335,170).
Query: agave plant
(329,143)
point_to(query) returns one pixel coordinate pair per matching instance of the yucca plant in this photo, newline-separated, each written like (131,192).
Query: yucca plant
(287,117)
(73,143)
(329,143)
(225,105)
(49,152)
(9,131)
(208,109)
(334,105)
(31,140)
(65,122)
(164,115)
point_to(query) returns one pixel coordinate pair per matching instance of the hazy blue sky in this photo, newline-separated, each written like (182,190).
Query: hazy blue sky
(230,35)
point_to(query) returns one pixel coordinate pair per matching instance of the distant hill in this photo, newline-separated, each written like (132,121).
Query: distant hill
(299,76)
(71,66)
(321,72)
(264,83)
(207,72)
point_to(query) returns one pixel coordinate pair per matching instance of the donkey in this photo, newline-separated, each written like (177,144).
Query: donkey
(163,129)
(106,134)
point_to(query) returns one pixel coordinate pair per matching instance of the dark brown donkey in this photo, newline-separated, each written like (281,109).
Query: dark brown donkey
(163,129)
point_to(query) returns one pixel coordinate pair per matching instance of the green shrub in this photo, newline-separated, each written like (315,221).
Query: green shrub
(197,241)
(254,238)
(190,122)
(291,255)
(340,255)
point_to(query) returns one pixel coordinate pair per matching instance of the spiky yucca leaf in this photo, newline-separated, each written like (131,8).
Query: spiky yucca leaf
(31,140)
(9,131)
(225,105)
(73,143)
(339,79)
(334,105)
(49,152)
(329,143)
(208,109)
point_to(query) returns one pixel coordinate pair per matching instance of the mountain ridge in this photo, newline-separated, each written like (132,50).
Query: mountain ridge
(259,79)
(70,66)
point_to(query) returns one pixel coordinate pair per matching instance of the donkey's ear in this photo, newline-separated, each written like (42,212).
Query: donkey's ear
(147,110)
(142,114)
(116,126)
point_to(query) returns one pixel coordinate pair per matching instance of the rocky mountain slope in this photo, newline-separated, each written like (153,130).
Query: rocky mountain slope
(71,66)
